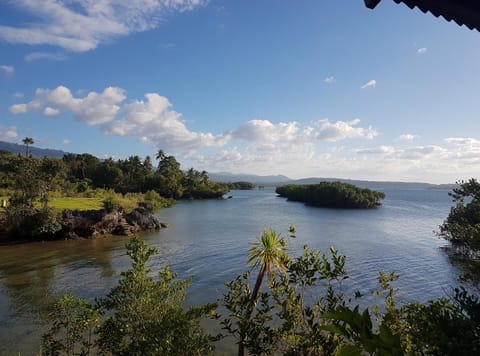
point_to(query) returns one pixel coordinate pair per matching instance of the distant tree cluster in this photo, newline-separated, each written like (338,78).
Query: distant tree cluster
(241,185)
(332,195)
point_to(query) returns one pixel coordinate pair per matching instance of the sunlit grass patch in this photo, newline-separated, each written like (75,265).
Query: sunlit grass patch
(74,203)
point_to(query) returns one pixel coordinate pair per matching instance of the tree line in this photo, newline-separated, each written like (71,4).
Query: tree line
(75,173)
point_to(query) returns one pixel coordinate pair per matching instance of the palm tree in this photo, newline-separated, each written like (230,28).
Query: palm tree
(160,155)
(27,141)
(268,253)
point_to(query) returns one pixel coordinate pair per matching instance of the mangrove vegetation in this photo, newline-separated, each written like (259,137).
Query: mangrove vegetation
(332,195)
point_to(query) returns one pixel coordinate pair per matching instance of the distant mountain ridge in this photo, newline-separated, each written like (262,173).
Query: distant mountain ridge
(225,177)
(275,180)
(15,148)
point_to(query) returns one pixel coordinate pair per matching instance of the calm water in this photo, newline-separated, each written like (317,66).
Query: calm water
(209,241)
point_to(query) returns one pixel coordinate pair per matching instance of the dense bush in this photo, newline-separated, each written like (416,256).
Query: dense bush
(332,195)
(142,315)
(462,226)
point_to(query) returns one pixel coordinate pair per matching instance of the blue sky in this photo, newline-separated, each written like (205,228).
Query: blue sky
(300,88)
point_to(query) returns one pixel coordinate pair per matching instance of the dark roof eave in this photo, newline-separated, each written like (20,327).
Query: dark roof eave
(463,12)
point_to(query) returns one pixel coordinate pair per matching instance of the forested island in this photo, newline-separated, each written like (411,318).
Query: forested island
(80,195)
(332,195)
(241,185)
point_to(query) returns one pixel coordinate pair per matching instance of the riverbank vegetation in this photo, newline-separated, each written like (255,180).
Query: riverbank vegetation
(39,189)
(332,195)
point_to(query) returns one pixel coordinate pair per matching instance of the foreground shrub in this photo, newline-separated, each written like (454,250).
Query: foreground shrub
(140,316)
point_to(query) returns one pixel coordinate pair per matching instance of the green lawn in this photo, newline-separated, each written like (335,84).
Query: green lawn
(76,203)
(71,203)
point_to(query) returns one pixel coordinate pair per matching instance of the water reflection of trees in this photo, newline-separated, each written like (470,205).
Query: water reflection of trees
(33,275)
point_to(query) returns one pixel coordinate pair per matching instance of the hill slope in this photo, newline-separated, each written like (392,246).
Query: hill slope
(36,151)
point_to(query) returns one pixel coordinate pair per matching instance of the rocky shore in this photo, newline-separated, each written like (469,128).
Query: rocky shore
(94,223)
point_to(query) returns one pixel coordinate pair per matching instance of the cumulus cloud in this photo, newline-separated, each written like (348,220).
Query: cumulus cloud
(265,131)
(422,50)
(370,84)
(50,112)
(37,56)
(153,120)
(18,109)
(81,25)
(407,137)
(329,80)
(341,130)
(7,69)
(93,109)
(8,133)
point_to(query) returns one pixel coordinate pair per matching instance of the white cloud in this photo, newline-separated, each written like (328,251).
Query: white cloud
(265,131)
(342,130)
(154,121)
(37,56)
(50,112)
(8,133)
(18,109)
(370,84)
(7,69)
(422,50)
(419,152)
(463,141)
(18,95)
(329,80)
(407,137)
(81,25)
(66,142)
(376,150)
(93,109)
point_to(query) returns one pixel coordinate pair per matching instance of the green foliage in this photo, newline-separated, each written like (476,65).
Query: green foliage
(288,317)
(110,204)
(146,317)
(462,226)
(332,195)
(31,223)
(73,321)
(359,336)
(155,201)
(241,185)
(440,327)
(140,316)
